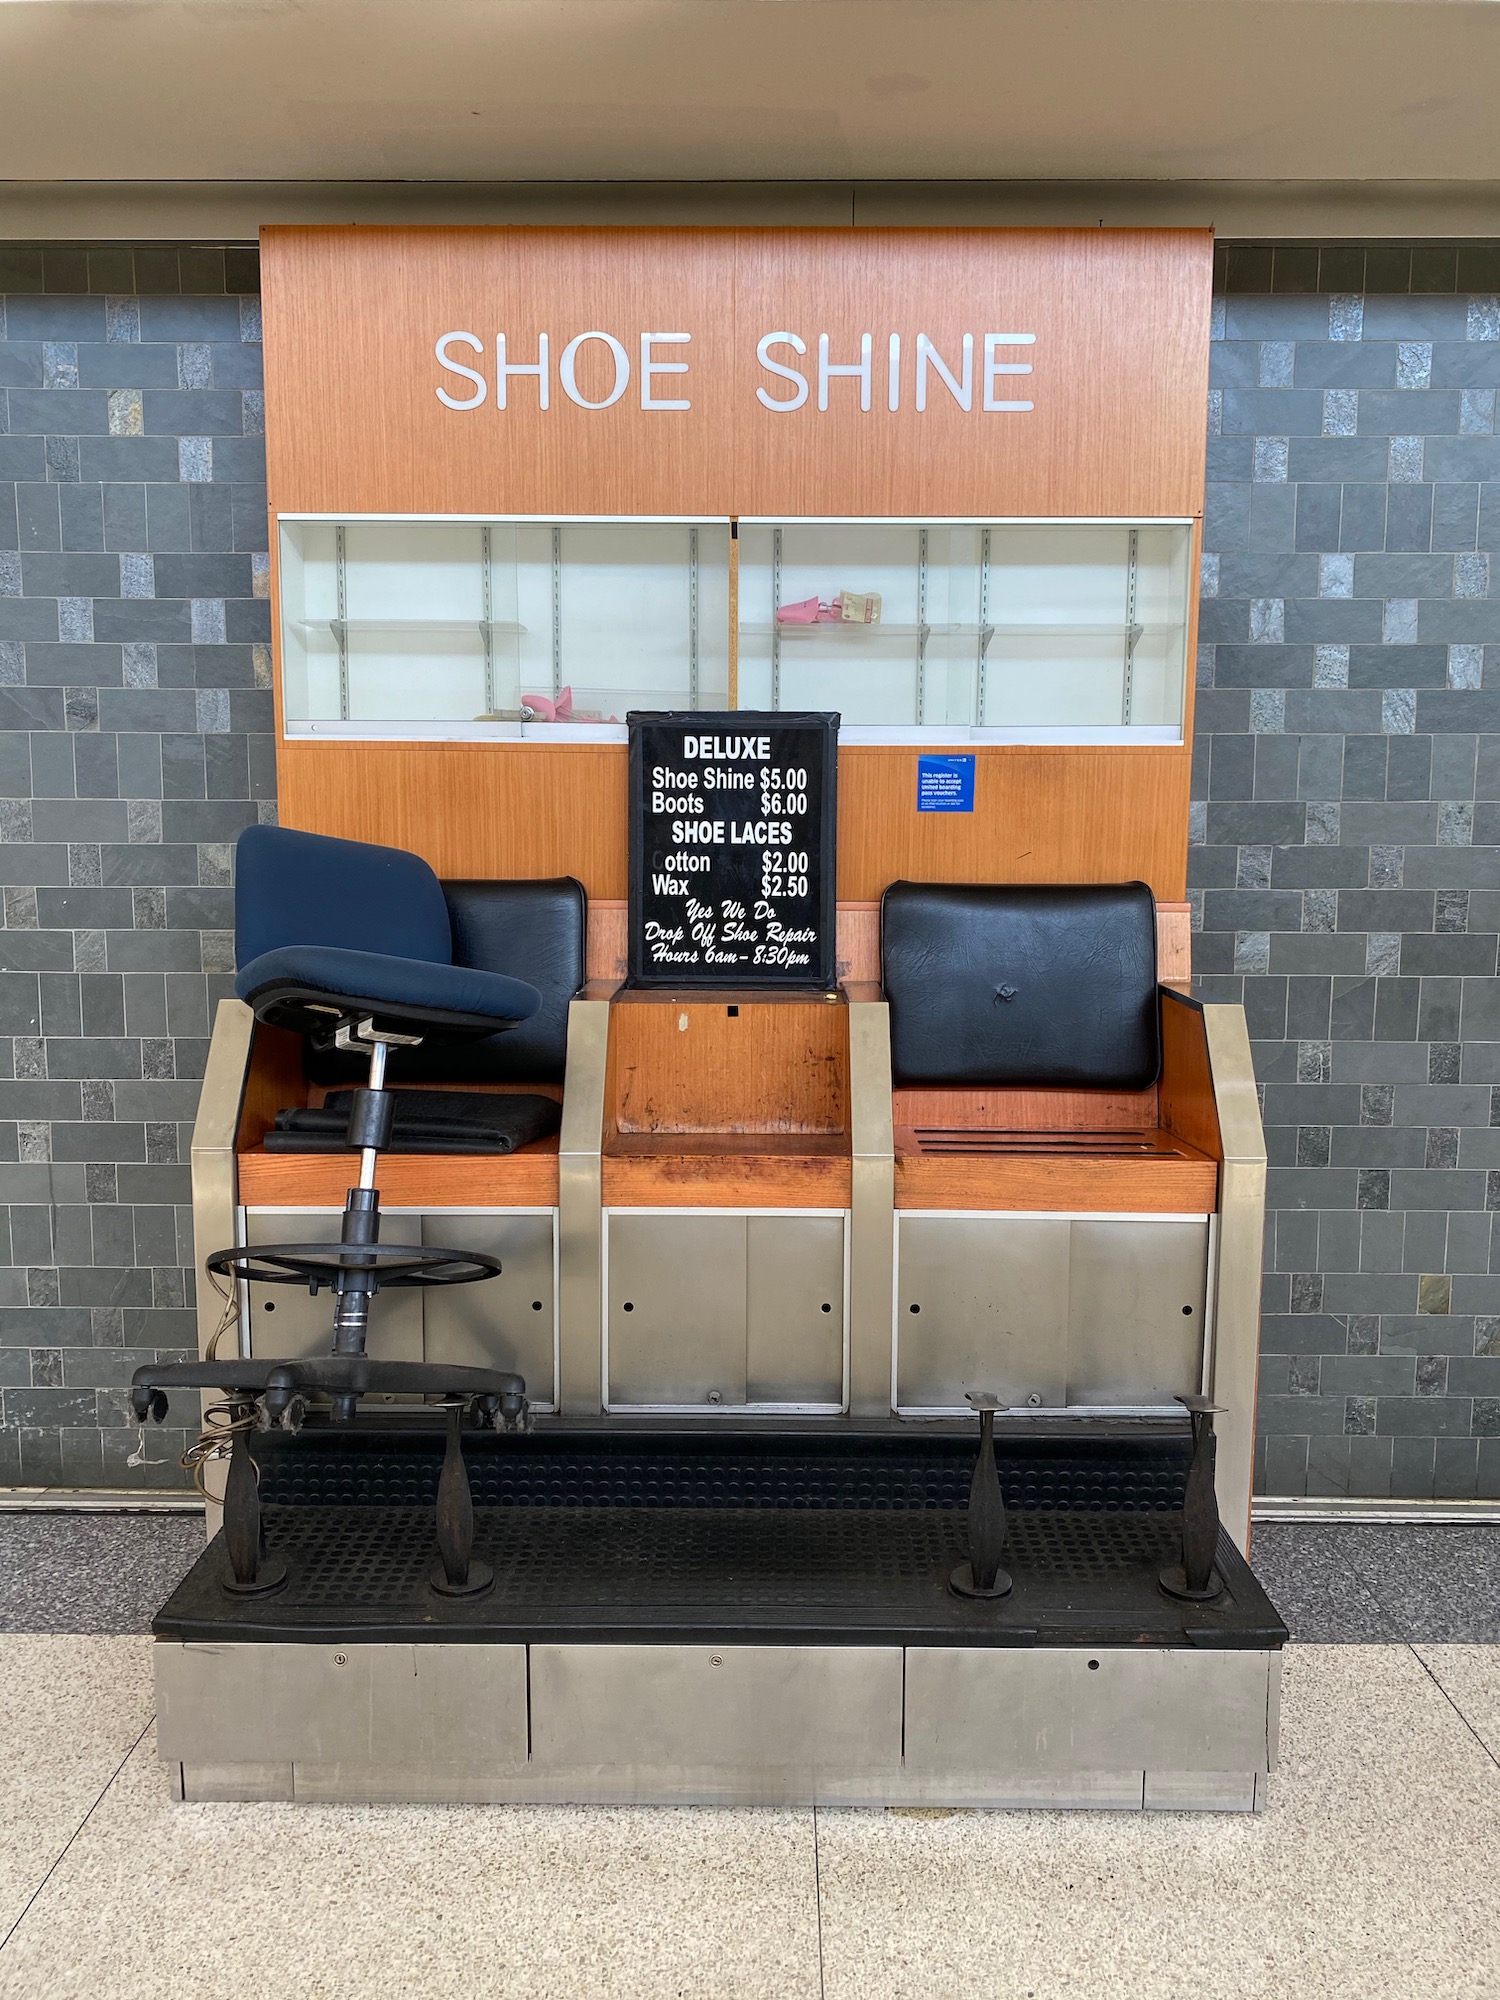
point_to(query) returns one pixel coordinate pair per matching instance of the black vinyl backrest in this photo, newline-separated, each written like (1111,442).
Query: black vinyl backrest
(1048,987)
(532,930)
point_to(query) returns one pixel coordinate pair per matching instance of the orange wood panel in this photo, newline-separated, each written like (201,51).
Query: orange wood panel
(686,1064)
(1174,943)
(354,422)
(527,1179)
(608,948)
(701,1178)
(1187,1085)
(1041,814)
(274,1082)
(1162,1184)
(486,809)
(353,419)
(857,951)
(1120,371)
(1026,1110)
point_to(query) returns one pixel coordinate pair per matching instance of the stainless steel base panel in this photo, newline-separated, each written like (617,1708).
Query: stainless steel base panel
(1124,1728)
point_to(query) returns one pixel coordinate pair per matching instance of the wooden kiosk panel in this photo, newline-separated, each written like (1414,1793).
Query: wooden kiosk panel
(364,417)
(1119,360)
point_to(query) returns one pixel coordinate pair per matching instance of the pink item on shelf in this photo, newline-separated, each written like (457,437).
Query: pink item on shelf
(545,709)
(811,611)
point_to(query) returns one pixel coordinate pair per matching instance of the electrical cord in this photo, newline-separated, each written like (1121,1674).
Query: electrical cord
(216,1438)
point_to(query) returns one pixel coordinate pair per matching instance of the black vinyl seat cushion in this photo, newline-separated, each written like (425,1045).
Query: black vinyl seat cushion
(1025,986)
(533,930)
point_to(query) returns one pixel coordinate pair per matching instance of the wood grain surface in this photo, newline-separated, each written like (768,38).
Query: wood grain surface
(688,1064)
(527,1179)
(1182,1183)
(355,424)
(1187,1085)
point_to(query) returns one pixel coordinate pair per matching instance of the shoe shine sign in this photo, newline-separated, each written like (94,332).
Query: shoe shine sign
(787,387)
(705,373)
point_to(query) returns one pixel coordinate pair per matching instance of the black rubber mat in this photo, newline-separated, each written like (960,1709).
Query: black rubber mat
(761,1575)
(375,1467)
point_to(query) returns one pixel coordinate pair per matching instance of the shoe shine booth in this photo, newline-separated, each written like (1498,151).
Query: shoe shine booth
(729,1259)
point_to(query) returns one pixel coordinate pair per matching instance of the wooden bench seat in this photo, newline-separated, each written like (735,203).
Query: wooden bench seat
(524,1179)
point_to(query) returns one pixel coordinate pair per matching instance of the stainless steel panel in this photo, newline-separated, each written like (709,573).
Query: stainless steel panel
(418,1706)
(245,1784)
(676,1303)
(1234,1337)
(1012,1791)
(287,1322)
(697,1725)
(215,1189)
(872,1207)
(624,1783)
(1136,1295)
(1060,1709)
(794,1317)
(786,1710)
(1200,1791)
(580,1216)
(981,1303)
(505,1322)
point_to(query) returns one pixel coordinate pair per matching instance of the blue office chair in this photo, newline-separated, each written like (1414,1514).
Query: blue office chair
(351,946)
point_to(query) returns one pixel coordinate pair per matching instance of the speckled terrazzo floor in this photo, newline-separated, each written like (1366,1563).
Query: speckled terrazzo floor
(1371,1873)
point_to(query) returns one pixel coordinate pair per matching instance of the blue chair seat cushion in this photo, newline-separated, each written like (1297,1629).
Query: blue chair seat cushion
(288,983)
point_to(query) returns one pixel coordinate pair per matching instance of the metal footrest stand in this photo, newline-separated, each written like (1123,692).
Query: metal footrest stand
(981,1575)
(1195,1579)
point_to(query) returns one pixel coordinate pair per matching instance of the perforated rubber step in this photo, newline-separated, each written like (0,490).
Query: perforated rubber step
(722,1575)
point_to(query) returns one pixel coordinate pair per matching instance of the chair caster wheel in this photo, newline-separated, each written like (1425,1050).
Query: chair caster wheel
(270,1577)
(1173,1581)
(480,1578)
(962,1583)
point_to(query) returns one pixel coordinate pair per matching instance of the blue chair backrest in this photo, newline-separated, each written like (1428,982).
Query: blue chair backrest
(307,888)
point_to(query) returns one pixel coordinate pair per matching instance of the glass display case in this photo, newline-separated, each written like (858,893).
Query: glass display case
(1014,631)
(500,628)
(931,632)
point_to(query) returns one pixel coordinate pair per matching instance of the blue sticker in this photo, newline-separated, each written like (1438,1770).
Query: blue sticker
(945,784)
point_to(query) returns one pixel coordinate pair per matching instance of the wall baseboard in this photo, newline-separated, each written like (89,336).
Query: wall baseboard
(99,1500)
(1268,1507)
(1328,1507)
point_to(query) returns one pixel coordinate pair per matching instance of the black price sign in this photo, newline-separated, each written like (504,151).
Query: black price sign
(732,821)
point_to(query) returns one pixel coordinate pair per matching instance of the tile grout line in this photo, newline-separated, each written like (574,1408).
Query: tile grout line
(1411,1648)
(818,1905)
(63,1851)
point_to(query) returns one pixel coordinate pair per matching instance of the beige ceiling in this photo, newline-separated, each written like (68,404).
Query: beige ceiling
(484,91)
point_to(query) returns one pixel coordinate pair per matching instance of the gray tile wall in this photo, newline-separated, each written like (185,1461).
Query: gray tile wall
(135,720)
(1345,866)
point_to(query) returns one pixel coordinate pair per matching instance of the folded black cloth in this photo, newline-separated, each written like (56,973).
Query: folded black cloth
(425,1121)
